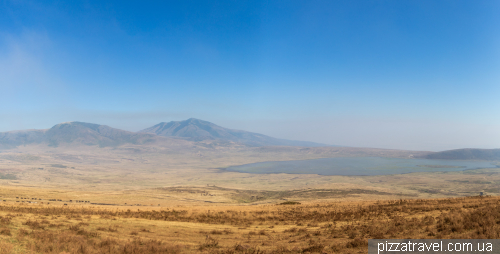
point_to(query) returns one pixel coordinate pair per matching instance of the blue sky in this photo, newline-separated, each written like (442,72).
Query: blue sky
(420,75)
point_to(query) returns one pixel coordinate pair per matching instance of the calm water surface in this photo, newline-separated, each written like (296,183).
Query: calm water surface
(357,166)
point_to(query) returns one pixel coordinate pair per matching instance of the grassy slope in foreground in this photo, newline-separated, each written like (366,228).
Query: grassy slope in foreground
(340,227)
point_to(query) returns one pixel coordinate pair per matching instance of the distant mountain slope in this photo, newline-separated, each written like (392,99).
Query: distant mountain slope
(198,130)
(16,138)
(75,133)
(466,154)
(92,134)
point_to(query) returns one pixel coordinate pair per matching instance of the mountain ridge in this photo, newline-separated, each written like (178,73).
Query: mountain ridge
(11,139)
(199,130)
(92,134)
(81,133)
(74,133)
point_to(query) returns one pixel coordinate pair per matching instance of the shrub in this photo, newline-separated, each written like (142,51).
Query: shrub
(357,242)
(290,203)
(5,231)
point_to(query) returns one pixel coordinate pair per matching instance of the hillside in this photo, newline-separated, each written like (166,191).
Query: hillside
(286,226)
(12,139)
(93,134)
(74,133)
(199,130)
(466,154)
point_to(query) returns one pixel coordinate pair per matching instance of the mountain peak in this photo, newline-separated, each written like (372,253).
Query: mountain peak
(81,133)
(76,124)
(197,130)
(196,121)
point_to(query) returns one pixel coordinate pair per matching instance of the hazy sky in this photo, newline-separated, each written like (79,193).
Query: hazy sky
(421,75)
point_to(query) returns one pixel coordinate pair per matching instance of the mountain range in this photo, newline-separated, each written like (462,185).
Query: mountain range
(195,130)
(80,133)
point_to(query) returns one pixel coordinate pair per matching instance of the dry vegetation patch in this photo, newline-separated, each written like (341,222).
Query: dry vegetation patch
(328,227)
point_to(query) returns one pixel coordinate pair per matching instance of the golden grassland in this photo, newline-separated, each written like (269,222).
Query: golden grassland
(289,227)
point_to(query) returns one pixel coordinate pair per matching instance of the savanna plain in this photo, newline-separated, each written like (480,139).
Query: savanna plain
(179,199)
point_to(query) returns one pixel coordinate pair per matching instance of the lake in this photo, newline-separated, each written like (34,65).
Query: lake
(359,166)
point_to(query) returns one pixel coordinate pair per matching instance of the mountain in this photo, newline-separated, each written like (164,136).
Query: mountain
(80,133)
(12,139)
(466,154)
(75,133)
(92,134)
(199,130)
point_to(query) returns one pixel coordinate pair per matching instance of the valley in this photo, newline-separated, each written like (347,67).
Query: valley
(140,171)
(93,189)
(247,127)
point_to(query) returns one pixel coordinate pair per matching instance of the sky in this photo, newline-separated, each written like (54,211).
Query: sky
(415,74)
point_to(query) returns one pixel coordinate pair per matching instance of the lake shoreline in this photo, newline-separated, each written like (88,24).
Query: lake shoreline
(360,166)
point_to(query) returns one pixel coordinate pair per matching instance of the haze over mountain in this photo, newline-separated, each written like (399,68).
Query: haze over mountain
(80,133)
(76,133)
(12,139)
(93,134)
(199,130)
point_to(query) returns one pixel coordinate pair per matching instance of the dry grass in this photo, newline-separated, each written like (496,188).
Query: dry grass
(328,227)
(138,167)
(155,175)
